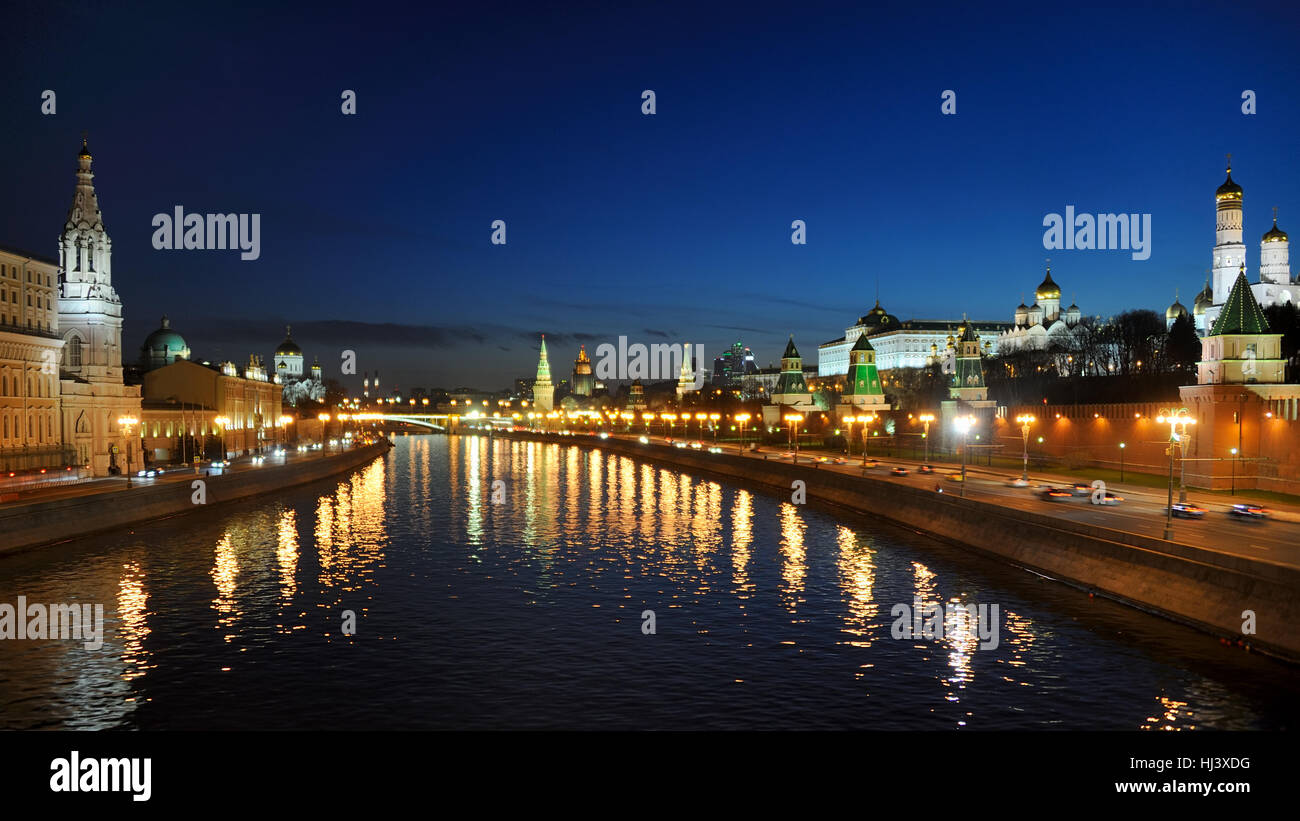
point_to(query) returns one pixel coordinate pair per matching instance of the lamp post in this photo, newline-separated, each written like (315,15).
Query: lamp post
(324,430)
(742,418)
(670,418)
(848,439)
(1025,421)
(1121,461)
(1233,492)
(865,420)
(793,419)
(699,424)
(927,418)
(127,422)
(647,418)
(1178,419)
(963,425)
(713,423)
(222,422)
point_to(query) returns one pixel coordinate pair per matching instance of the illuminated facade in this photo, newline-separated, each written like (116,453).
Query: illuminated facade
(543,389)
(30,350)
(93,396)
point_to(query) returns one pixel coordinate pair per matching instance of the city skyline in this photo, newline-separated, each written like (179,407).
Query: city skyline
(941,215)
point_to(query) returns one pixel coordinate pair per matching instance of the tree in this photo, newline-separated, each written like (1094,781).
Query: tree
(1182,345)
(1138,337)
(1285,319)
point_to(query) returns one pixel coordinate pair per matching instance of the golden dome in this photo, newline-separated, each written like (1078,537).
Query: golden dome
(1275,234)
(1048,289)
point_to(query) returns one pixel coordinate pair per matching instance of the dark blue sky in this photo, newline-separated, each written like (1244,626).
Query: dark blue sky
(675,225)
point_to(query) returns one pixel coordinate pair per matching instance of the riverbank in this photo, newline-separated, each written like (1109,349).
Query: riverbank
(38,523)
(1193,585)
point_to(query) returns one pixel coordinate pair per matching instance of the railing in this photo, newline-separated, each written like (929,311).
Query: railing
(36,458)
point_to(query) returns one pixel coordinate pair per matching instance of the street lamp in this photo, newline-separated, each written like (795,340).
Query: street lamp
(127,422)
(1233,492)
(1121,461)
(1025,421)
(1178,420)
(848,438)
(713,423)
(794,419)
(671,418)
(927,418)
(222,422)
(699,419)
(742,418)
(963,425)
(865,420)
(324,430)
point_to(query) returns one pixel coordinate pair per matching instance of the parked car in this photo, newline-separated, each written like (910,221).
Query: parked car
(1247,511)
(1187,510)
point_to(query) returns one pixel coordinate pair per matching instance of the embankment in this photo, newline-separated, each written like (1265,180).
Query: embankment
(1202,588)
(40,523)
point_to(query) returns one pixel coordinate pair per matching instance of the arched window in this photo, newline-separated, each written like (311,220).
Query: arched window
(74,352)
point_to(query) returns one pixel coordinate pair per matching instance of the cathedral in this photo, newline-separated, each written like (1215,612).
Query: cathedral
(1043,324)
(1275,286)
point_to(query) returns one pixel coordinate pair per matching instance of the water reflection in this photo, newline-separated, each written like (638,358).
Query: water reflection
(133,623)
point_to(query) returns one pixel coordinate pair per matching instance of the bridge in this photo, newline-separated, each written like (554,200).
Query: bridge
(434,421)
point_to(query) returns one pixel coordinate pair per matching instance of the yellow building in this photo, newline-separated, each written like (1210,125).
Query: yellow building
(188,402)
(30,350)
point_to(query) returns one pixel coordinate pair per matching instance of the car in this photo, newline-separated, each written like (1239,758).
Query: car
(925,469)
(679,444)
(1055,494)
(1080,489)
(830,460)
(697,445)
(1247,511)
(604,435)
(643,440)
(898,471)
(1108,498)
(220,463)
(1187,510)
(956,476)
(870,463)
(1017,482)
(715,449)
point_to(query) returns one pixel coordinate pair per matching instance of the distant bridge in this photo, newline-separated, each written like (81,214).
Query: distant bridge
(436,421)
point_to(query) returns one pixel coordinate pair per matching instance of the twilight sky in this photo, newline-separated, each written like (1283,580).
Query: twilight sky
(376,227)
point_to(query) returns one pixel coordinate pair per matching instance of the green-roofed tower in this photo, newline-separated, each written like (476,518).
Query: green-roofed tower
(968,373)
(863,389)
(1240,348)
(791,382)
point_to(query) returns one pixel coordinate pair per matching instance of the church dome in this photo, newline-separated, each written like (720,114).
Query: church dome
(1229,189)
(1176,310)
(288,347)
(164,338)
(1275,234)
(1203,300)
(1048,289)
(84,152)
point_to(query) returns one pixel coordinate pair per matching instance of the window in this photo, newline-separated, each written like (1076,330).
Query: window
(74,352)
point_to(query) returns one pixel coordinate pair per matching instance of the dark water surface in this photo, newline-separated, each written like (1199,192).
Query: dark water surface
(529,614)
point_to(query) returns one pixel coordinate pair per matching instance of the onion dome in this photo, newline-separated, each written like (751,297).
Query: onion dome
(1176,310)
(1048,289)
(288,347)
(1275,234)
(1203,300)
(1229,190)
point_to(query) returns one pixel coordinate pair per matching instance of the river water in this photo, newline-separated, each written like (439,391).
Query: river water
(529,611)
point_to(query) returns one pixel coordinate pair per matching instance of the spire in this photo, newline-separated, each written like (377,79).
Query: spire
(1241,313)
(543,365)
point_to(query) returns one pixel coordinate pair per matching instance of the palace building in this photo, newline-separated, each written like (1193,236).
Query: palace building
(912,343)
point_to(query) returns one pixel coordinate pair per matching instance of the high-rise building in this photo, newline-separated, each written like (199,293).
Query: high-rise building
(583,381)
(732,366)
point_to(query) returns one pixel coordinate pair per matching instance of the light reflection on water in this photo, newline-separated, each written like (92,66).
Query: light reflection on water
(527,613)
